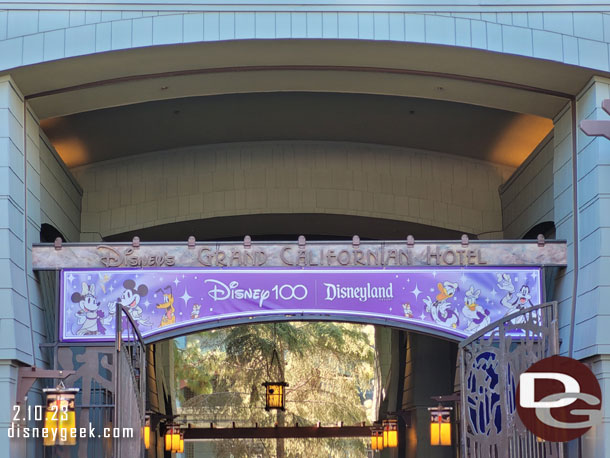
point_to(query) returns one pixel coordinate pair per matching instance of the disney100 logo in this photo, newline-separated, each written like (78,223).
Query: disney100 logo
(221,291)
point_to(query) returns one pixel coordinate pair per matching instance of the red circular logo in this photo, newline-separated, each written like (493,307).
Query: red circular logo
(559,399)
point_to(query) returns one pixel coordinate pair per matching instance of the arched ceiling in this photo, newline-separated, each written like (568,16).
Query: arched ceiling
(454,128)
(464,101)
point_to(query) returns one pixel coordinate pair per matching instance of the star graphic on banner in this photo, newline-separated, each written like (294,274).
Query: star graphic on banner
(176,281)
(517,279)
(454,298)
(160,279)
(390,309)
(416,291)
(534,275)
(494,292)
(487,300)
(408,280)
(182,275)
(434,273)
(71,277)
(463,278)
(139,275)
(211,309)
(111,289)
(146,303)
(422,316)
(89,277)
(431,290)
(185,297)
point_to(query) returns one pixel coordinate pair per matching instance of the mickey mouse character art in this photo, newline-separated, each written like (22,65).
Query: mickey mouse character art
(130,299)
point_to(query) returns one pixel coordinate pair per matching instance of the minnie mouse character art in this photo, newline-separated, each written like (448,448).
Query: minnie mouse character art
(90,317)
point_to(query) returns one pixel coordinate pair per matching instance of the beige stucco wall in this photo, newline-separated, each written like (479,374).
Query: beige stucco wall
(290,177)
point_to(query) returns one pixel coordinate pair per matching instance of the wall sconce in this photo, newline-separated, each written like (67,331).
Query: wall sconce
(60,417)
(168,438)
(440,425)
(390,433)
(174,440)
(146,433)
(376,438)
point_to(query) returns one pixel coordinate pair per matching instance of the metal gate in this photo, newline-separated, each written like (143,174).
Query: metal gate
(130,385)
(490,362)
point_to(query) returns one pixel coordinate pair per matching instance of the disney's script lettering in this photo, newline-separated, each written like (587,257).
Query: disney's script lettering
(113,257)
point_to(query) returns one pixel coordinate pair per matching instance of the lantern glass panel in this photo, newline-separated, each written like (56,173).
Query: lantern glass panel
(168,440)
(445,433)
(175,441)
(435,433)
(146,435)
(379,440)
(440,429)
(392,438)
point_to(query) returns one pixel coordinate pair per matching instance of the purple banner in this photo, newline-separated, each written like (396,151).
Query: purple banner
(454,301)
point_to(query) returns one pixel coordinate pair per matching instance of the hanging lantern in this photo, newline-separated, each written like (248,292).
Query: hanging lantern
(376,438)
(274,395)
(440,425)
(275,391)
(60,416)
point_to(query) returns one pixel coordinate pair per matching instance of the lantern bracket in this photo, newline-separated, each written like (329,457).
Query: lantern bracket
(27,376)
(403,415)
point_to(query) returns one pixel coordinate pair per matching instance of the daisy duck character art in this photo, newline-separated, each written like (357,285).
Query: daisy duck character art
(130,299)
(91,319)
(440,310)
(476,316)
(407,309)
(514,301)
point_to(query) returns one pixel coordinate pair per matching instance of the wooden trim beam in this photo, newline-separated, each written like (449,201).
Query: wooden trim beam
(277,432)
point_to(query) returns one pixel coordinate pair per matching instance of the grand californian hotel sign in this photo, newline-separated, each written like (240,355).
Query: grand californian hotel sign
(452,289)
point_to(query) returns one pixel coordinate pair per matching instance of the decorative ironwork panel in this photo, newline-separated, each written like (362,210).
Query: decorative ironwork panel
(94,368)
(491,362)
(130,387)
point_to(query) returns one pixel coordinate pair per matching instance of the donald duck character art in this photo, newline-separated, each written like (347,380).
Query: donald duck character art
(440,310)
